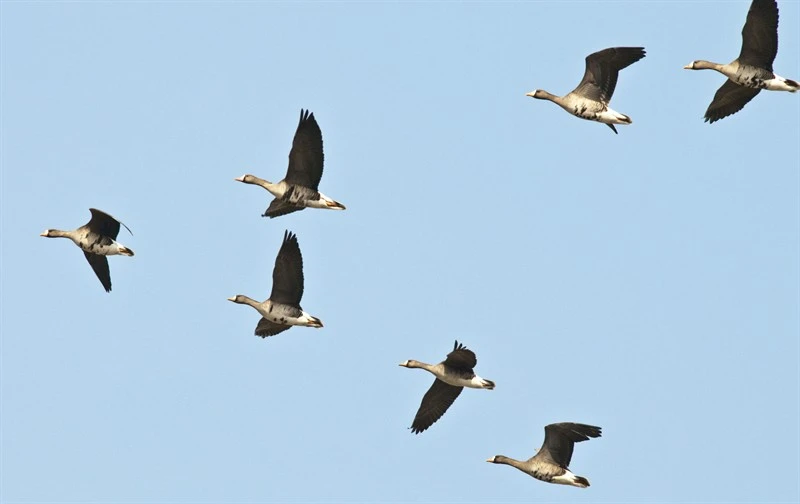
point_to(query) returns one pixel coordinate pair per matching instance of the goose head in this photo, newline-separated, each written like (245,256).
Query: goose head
(239,299)
(702,65)
(250,179)
(539,94)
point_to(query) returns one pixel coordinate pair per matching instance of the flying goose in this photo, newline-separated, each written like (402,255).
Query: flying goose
(551,463)
(590,99)
(97,240)
(752,70)
(452,375)
(282,310)
(298,190)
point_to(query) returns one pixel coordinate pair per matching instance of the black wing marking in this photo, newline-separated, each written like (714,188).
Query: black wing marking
(560,439)
(729,99)
(280,207)
(104,224)
(99,264)
(306,159)
(602,69)
(287,276)
(760,35)
(461,358)
(267,328)
(434,404)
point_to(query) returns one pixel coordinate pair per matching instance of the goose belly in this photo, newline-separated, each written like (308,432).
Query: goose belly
(100,245)
(755,78)
(285,315)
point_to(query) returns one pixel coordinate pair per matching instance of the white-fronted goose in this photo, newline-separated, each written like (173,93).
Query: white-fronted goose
(590,99)
(452,375)
(282,310)
(752,70)
(97,239)
(551,463)
(299,189)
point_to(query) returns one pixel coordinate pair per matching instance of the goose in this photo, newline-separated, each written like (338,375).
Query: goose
(97,239)
(282,310)
(298,190)
(590,99)
(452,375)
(752,70)
(551,463)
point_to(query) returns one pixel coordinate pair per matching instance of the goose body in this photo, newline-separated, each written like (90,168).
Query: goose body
(551,463)
(300,188)
(282,310)
(452,375)
(752,70)
(97,239)
(591,98)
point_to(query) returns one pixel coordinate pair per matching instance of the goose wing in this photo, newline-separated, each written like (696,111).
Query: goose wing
(461,358)
(280,207)
(434,404)
(287,276)
(760,35)
(99,264)
(560,439)
(104,224)
(602,70)
(306,158)
(267,328)
(729,99)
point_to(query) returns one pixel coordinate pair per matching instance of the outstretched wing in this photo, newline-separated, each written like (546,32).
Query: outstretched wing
(434,404)
(760,35)
(602,69)
(99,264)
(560,439)
(461,358)
(287,276)
(267,328)
(280,207)
(729,99)
(104,224)
(306,158)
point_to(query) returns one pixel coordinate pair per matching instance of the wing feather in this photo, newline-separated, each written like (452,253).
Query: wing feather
(434,404)
(287,276)
(306,159)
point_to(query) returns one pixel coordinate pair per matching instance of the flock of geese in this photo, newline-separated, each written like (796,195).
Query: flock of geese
(746,77)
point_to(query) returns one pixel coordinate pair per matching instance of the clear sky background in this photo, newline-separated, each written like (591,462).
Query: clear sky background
(645,282)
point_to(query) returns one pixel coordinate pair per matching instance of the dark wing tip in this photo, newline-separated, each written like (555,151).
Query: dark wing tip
(288,236)
(576,432)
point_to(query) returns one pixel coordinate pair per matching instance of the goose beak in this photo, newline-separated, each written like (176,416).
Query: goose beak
(232,299)
(335,205)
(239,179)
(688,67)
(530,94)
(43,233)
(490,460)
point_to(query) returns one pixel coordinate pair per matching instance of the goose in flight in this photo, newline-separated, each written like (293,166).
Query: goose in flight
(282,310)
(590,99)
(752,70)
(551,463)
(452,375)
(299,189)
(97,239)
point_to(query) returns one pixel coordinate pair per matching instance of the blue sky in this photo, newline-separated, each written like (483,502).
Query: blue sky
(646,282)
